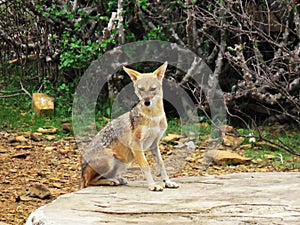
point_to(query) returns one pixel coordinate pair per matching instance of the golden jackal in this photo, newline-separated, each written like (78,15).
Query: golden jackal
(125,138)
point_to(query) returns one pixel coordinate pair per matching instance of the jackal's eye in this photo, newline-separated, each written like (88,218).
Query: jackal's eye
(141,89)
(152,89)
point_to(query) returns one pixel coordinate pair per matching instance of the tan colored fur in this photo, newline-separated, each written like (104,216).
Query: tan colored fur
(126,138)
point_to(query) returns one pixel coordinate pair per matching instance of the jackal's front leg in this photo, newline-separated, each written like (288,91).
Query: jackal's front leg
(142,161)
(161,167)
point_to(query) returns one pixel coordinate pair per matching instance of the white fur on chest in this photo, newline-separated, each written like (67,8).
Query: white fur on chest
(157,119)
(153,133)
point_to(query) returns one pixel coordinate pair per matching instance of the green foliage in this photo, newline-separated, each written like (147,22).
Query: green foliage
(76,54)
(200,130)
(267,154)
(143,4)
(77,51)
(156,34)
(54,11)
(17,116)
(279,159)
(63,96)
(173,126)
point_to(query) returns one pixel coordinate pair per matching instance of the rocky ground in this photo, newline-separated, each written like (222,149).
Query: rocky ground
(36,168)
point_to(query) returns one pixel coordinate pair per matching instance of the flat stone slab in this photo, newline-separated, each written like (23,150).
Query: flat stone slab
(244,198)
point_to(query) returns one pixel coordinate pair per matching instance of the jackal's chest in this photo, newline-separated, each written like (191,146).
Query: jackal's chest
(154,131)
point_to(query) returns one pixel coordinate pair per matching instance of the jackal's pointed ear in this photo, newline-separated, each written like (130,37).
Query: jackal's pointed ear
(134,75)
(160,71)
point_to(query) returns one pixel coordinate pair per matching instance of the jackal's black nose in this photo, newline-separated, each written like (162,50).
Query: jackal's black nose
(146,102)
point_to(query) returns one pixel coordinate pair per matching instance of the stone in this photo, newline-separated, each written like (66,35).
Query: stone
(39,191)
(23,147)
(3,150)
(50,130)
(49,148)
(42,104)
(243,198)
(171,137)
(11,139)
(229,158)
(21,155)
(231,141)
(190,145)
(21,138)
(36,136)
(67,127)
(50,137)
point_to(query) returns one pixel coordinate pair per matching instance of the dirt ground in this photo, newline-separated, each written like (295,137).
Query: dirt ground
(26,160)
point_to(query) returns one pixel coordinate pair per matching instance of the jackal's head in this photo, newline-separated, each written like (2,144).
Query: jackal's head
(148,86)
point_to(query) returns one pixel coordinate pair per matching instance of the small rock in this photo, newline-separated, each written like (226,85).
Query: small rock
(6,135)
(64,151)
(11,139)
(190,159)
(190,145)
(246,146)
(230,158)
(67,127)
(36,136)
(21,139)
(258,161)
(228,129)
(186,145)
(180,145)
(25,198)
(50,130)
(269,156)
(231,141)
(64,120)
(4,157)
(39,191)
(170,152)
(3,150)
(23,147)
(22,155)
(172,137)
(49,148)
(57,185)
(50,137)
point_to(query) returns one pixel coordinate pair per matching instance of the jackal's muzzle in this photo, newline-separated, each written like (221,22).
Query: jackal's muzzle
(147,102)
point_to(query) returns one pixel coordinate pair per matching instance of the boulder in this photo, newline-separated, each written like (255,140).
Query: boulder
(245,198)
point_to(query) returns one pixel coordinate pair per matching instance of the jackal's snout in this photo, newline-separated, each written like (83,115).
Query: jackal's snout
(147,102)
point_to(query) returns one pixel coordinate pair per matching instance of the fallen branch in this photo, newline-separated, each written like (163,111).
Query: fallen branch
(11,95)
(24,90)
(15,93)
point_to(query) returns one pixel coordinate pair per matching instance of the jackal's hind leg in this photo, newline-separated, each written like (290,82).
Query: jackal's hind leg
(103,173)
(108,182)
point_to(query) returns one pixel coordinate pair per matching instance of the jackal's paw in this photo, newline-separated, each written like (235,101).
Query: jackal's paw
(117,181)
(122,181)
(156,187)
(170,184)
(114,182)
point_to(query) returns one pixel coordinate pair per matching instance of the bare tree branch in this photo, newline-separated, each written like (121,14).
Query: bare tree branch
(120,19)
